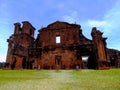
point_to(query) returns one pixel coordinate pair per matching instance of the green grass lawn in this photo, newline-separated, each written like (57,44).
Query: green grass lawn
(60,80)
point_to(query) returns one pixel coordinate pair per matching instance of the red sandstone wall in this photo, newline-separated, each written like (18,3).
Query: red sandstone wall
(68,34)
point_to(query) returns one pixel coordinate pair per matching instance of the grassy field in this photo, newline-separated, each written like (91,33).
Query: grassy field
(60,80)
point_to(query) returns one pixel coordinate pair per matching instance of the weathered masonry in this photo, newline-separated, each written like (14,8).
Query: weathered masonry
(60,44)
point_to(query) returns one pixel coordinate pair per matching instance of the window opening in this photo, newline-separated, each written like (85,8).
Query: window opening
(58,39)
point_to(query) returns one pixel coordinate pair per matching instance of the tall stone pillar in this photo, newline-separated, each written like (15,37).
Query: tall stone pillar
(99,46)
(17,28)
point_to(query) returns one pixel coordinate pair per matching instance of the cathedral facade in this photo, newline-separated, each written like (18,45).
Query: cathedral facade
(59,45)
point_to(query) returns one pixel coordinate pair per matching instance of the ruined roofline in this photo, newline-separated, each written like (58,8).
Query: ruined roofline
(95,30)
(29,24)
(67,24)
(19,24)
(71,24)
(90,40)
(113,49)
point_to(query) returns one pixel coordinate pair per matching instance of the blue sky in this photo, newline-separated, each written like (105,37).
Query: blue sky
(103,14)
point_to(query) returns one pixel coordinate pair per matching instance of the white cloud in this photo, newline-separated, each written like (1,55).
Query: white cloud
(110,25)
(72,17)
(112,29)
(112,17)
(95,23)
(2,57)
(2,45)
(3,50)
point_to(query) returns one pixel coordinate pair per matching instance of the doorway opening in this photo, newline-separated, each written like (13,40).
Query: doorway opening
(58,61)
(85,60)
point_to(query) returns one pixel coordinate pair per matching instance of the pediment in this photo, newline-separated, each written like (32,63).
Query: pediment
(59,24)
